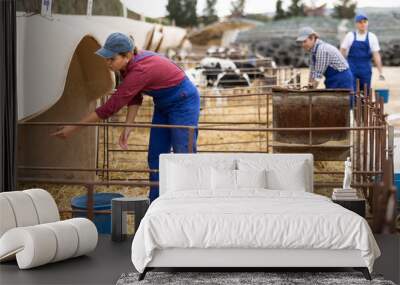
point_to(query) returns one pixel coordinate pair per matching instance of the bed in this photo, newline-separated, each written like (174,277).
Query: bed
(247,210)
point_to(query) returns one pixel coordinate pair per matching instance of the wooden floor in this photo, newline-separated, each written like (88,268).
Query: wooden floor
(110,260)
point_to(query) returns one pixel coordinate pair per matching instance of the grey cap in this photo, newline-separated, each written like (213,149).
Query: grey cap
(304,33)
(116,43)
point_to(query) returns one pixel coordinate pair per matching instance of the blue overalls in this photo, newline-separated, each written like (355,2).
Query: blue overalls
(177,105)
(335,79)
(359,59)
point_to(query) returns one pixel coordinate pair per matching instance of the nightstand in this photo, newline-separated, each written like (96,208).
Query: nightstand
(356,205)
(120,207)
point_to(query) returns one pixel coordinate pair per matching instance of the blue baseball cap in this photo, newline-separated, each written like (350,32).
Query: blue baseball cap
(115,44)
(304,33)
(359,17)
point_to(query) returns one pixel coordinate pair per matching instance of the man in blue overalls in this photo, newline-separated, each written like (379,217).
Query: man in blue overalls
(360,47)
(325,61)
(176,99)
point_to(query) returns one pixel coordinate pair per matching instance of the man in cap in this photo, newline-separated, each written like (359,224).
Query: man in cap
(360,47)
(325,61)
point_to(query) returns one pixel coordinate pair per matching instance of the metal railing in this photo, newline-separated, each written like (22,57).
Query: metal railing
(369,146)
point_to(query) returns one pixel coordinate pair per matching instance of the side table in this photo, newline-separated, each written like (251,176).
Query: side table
(120,207)
(356,205)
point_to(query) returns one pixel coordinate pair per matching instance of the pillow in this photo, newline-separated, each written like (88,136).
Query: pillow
(181,177)
(288,175)
(281,174)
(251,178)
(223,179)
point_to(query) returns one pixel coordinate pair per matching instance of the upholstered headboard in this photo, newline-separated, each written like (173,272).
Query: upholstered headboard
(233,160)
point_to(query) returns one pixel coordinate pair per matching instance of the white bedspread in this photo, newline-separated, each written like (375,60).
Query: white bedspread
(250,219)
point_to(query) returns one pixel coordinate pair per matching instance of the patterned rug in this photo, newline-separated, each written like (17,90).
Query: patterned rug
(253,278)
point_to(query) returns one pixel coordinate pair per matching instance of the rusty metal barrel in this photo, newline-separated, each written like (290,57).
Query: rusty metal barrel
(294,108)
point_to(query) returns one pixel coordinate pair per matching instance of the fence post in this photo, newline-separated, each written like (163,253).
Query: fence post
(390,142)
(90,201)
(89,8)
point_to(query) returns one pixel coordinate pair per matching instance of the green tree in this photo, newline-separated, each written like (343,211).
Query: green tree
(237,9)
(210,15)
(174,9)
(279,12)
(190,13)
(345,9)
(296,9)
(182,12)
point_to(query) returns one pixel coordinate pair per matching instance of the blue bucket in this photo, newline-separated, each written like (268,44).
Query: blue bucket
(397,184)
(101,201)
(383,93)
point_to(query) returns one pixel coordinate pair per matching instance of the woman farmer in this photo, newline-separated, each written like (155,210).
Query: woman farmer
(326,61)
(360,47)
(176,99)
